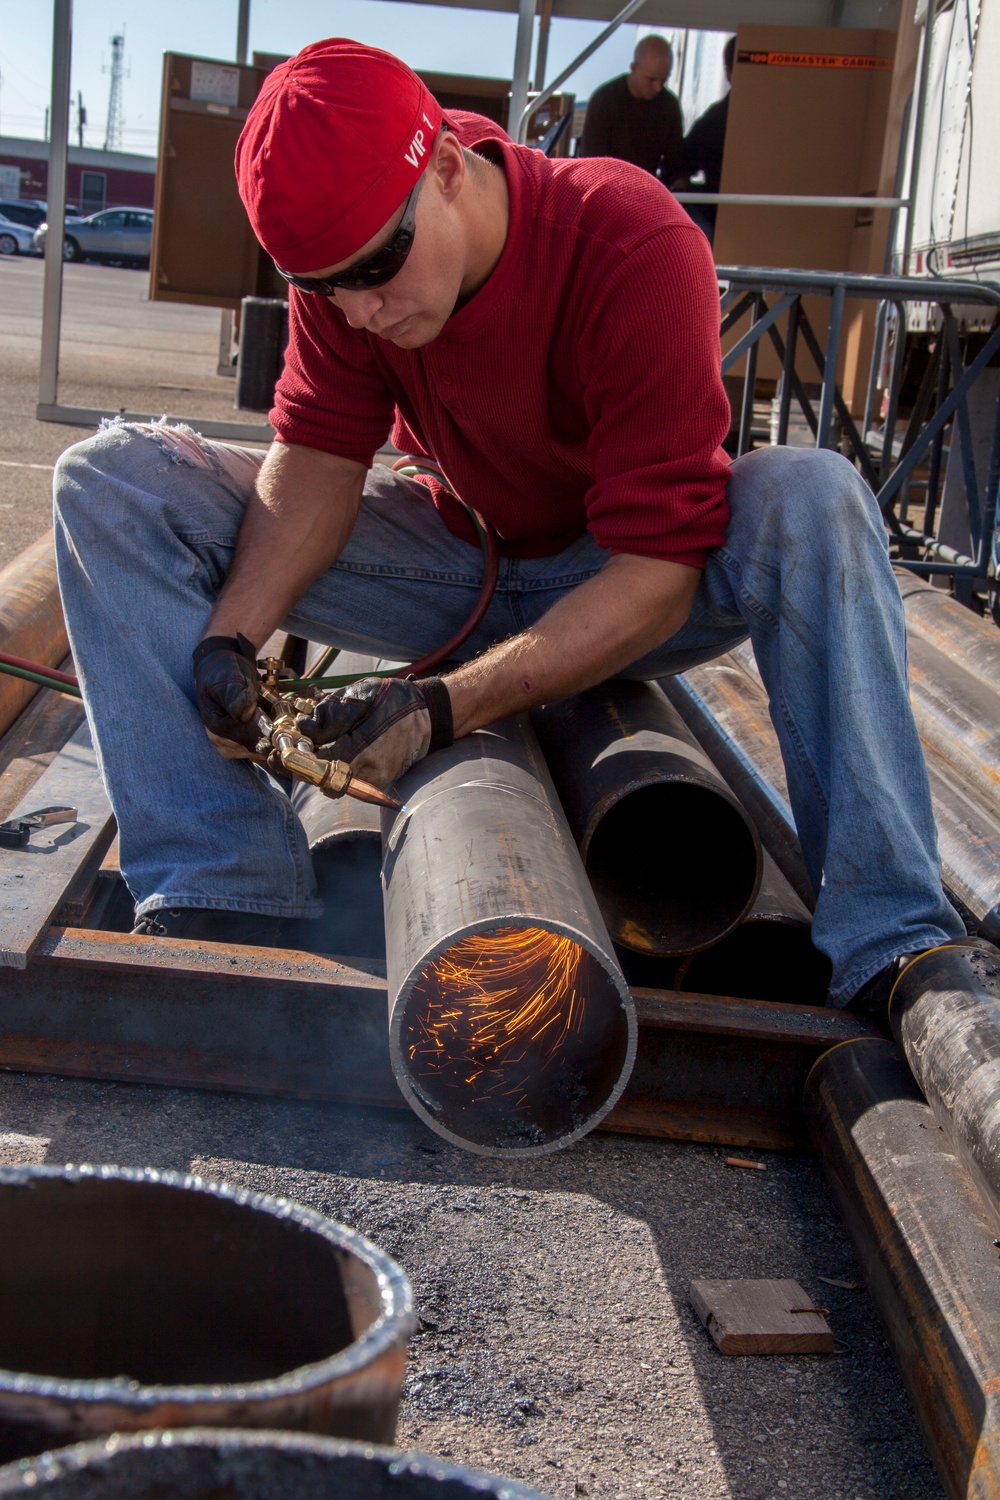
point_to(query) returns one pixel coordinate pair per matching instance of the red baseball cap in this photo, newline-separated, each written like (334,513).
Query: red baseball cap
(331,148)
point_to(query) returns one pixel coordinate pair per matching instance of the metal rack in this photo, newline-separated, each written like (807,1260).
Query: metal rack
(774,300)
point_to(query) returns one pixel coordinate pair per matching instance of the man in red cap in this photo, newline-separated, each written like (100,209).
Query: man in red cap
(547,333)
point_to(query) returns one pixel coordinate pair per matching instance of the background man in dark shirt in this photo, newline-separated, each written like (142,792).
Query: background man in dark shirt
(703,148)
(636,118)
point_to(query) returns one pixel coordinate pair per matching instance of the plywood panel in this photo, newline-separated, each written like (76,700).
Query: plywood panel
(801,128)
(204,250)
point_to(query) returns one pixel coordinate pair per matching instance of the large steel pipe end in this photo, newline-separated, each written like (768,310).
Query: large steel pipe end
(199,1465)
(770,956)
(925,1242)
(674,859)
(512,1031)
(945,1014)
(134,1300)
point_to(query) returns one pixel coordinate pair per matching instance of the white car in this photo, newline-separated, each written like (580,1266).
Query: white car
(15,239)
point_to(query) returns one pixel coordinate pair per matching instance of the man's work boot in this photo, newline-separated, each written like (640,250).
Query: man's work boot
(208,925)
(872,999)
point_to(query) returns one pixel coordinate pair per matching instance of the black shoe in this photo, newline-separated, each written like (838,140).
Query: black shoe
(872,999)
(203,924)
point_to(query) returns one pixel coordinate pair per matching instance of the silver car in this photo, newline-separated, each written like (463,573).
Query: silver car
(15,239)
(117,234)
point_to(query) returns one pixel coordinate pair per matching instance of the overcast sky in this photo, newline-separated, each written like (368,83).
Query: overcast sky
(426,36)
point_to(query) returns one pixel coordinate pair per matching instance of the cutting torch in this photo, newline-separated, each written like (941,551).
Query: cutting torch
(277,723)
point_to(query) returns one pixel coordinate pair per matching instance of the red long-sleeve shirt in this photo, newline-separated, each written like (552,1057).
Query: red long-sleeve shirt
(579,388)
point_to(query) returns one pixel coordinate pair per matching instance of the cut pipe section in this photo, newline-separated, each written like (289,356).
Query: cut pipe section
(31,621)
(945,1014)
(200,1465)
(674,859)
(924,1241)
(133,1300)
(511,1029)
(770,956)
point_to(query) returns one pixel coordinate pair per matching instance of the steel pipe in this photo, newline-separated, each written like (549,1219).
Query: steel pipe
(511,1029)
(329,821)
(31,621)
(673,857)
(200,1465)
(770,956)
(945,1014)
(957,715)
(969,841)
(726,707)
(728,716)
(924,1242)
(32,742)
(966,640)
(132,1300)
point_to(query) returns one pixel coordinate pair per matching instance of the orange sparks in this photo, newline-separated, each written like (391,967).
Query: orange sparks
(496,1009)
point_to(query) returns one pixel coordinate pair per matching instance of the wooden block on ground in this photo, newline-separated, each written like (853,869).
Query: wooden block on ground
(761,1317)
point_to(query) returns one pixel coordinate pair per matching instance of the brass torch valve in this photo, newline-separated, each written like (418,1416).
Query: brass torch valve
(299,759)
(297,753)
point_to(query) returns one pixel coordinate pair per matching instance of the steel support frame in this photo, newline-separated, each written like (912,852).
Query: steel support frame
(747,289)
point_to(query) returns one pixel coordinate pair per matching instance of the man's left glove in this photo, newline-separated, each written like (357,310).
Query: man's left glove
(381,725)
(227,687)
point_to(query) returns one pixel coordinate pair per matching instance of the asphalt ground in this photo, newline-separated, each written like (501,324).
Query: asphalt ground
(556,1340)
(118,350)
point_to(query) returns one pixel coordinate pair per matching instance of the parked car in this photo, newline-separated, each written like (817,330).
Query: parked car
(121,234)
(27,211)
(15,239)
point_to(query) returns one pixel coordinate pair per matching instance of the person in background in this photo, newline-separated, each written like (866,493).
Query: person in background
(636,118)
(703,148)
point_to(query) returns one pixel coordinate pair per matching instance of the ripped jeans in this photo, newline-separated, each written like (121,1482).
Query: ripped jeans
(146,523)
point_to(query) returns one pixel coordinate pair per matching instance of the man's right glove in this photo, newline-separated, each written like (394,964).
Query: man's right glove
(227,683)
(381,725)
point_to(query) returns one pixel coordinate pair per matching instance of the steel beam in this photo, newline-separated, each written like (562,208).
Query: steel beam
(926,1247)
(271,1021)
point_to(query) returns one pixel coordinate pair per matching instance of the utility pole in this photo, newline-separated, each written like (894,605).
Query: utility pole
(81,118)
(243,32)
(116,114)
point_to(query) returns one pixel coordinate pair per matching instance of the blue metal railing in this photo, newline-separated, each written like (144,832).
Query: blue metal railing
(773,300)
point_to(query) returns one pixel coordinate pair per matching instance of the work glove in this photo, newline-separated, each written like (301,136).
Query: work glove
(381,725)
(226,684)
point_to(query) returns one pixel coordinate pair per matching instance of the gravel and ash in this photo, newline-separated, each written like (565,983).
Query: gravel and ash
(556,1340)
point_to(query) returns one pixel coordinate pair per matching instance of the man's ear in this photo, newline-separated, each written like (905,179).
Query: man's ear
(448,165)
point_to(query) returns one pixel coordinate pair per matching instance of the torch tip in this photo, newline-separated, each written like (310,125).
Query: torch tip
(367,793)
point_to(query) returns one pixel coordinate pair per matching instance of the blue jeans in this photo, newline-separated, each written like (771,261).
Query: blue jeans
(146,522)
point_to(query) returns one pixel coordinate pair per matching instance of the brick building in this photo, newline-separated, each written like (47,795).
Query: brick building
(94,179)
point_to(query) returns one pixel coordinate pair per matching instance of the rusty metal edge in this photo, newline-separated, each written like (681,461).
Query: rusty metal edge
(157,1011)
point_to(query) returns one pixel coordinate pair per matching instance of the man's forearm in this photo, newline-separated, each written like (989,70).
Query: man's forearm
(296,524)
(633,605)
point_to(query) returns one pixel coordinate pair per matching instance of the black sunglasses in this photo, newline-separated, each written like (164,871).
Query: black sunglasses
(377,268)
